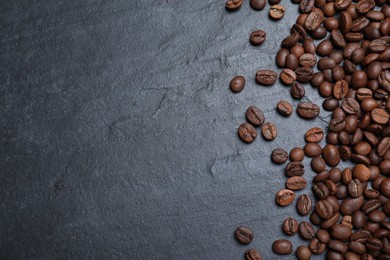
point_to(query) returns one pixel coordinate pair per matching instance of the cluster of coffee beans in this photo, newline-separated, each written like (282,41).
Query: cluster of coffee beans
(342,48)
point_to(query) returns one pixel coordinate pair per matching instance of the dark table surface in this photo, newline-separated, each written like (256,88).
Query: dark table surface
(118,130)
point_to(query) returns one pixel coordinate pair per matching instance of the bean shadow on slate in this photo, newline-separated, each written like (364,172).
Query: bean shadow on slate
(119,134)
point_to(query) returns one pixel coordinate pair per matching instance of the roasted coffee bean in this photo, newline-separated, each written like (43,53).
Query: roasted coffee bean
(340,89)
(255,116)
(345,152)
(285,197)
(296,183)
(237,84)
(347,221)
(307,60)
(317,79)
(297,90)
(320,190)
(290,226)
(344,138)
(331,24)
(321,177)
(295,169)
(282,247)
(338,39)
(284,108)
(324,48)
(341,232)
(357,247)
(319,34)
(338,246)
(385,187)
(269,131)
(359,24)
(297,154)
(253,254)
(324,209)
(304,74)
(233,5)
(316,246)
(330,104)
(323,236)
(358,219)
(384,80)
(314,135)
(377,216)
(304,205)
(336,125)
(244,235)
(247,133)
(326,63)
(287,76)
(277,11)
(308,110)
(318,164)
(309,46)
(363,148)
(350,106)
(331,155)
(266,77)
(314,20)
(290,40)
(361,172)
(350,205)
(299,29)
(312,149)
(258,4)
(292,64)
(383,146)
(306,230)
(354,36)
(333,219)
(281,57)
(380,116)
(373,244)
(340,5)
(355,188)
(374,70)
(258,37)
(303,252)
(306,6)
(279,156)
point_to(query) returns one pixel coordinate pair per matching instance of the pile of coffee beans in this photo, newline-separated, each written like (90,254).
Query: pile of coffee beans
(342,48)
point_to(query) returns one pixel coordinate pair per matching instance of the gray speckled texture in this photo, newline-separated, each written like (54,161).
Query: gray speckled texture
(118,130)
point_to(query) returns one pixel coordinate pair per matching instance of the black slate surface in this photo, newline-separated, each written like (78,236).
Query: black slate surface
(118,130)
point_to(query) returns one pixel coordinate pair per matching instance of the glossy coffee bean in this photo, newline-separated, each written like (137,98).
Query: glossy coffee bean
(247,133)
(237,84)
(255,116)
(233,5)
(290,226)
(295,169)
(266,77)
(314,135)
(285,197)
(269,131)
(304,205)
(303,253)
(279,156)
(253,254)
(282,247)
(296,183)
(258,37)
(244,235)
(297,90)
(284,108)
(308,110)
(306,230)
(258,4)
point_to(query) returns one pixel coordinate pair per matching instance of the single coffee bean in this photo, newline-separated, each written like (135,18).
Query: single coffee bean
(350,105)
(258,4)
(244,235)
(269,131)
(361,172)
(314,20)
(359,24)
(383,146)
(297,90)
(323,236)
(306,6)
(316,246)
(290,226)
(309,46)
(284,108)
(281,57)
(350,205)
(341,232)
(340,5)
(357,247)
(237,84)
(312,150)
(282,247)
(340,89)
(253,254)
(333,219)
(330,104)
(318,164)
(308,110)
(307,60)
(304,74)
(338,246)
(297,154)
(380,116)
(247,133)
(317,79)
(296,183)
(314,135)
(355,188)
(324,48)
(331,155)
(363,148)
(377,216)
(374,244)
(385,187)
(338,39)
(255,116)
(233,5)
(290,40)
(285,197)
(292,64)
(304,205)
(258,37)
(306,230)
(303,252)
(364,6)
(320,191)
(295,169)
(279,156)
(277,11)
(299,29)
(266,77)
(288,76)
(384,80)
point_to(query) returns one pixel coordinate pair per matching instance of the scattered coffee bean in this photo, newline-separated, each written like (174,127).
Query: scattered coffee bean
(297,90)
(233,5)
(290,226)
(277,11)
(308,110)
(282,247)
(297,154)
(284,108)
(237,84)
(258,37)
(295,169)
(279,156)
(244,235)
(253,254)
(266,77)
(288,77)
(304,205)
(247,133)
(285,197)
(314,135)
(306,230)
(258,4)
(296,183)
(255,116)
(269,131)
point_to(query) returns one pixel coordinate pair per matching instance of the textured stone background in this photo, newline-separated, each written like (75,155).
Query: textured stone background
(118,130)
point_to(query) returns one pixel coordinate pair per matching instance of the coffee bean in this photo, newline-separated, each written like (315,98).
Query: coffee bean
(384,80)
(284,108)
(290,40)
(304,205)
(285,197)
(363,148)
(233,5)
(340,5)
(304,74)
(297,90)
(299,29)
(266,77)
(316,246)
(314,20)
(340,89)
(291,64)
(247,133)
(288,76)
(338,246)
(355,188)
(361,172)
(307,60)
(350,205)
(279,156)
(341,232)
(269,131)
(380,116)
(312,149)
(331,155)
(277,11)
(364,6)
(308,110)
(297,154)
(258,37)
(303,252)
(282,247)
(320,191)
(255,116)
(296,183)
(281,57)
(314,135)
(258,4)
(383,146)
(338,39)
(306,6)
(377,216)
(253,254)
(237,84)
(290,226)
(350,105)
(324,48)
(295,169)
(306,230)
(244,235)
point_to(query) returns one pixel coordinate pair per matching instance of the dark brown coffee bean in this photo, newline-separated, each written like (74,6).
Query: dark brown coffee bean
(320,190)
(350,105)
(290,40)
(303,253)
(316,246)
(377,216)
(319,34)
(306,6)
(258,37)
(331,24)
(304,74)
(325,48)
(323,236)
(380,116)
(296,183)
(281,57)
(253,254)
(374,70)
(282,247)
(373,244)
(370,194)
(318,164)
(266,77)
(331,155)
(269,131)
(299,29)
(355,188)
(279,156)
(340,89)
(362,148)
(350,205)
(384,80)
(247,133)
(341,232)
(297,90)
(333,219)
(363,93)
(306,230)
(304,205)
(237,84)
(290,226)
(314,135)
(347,221)
(308,110)
(258,4)
(361,172)
(297,154)
(385,187)
(233,5)
(377,45)
(255,116)
(336,125)
(309,46)
(244,235)
(312,149)
(295,169)
(340,5)
(326,87)
(358,56)
(291,64)
(354,36)
(307,60)
(314,20)
(317,79)
(285,197)
(364,6)
(326,63)
(338,246)
(277,11)
(284,108)
(383,146)
(330,104)
(288,76)
(324,209)
(345,22)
